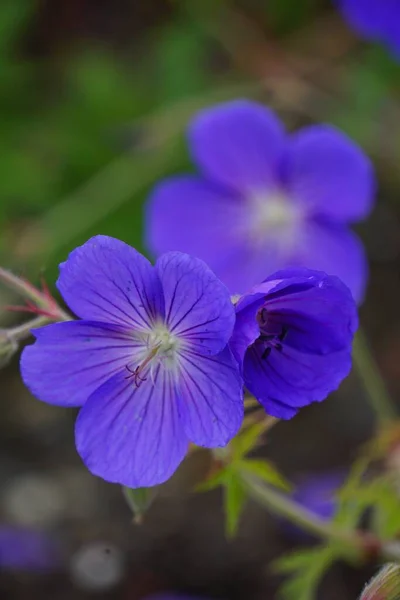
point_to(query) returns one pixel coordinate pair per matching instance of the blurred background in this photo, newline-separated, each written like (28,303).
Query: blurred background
(95,96)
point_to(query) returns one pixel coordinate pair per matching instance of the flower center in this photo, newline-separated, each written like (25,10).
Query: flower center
(275,216)
(160,346)
(272,334)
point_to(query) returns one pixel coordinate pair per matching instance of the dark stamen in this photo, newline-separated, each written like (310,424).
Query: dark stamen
(136,375)
(267,338)
(282,336)
(266,353)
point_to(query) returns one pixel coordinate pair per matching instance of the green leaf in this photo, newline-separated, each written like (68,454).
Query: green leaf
(14,15)
(285,15)
(234,499)
(351,500)
(266,471)
(305,569)
(213,482)
(181,61)
(379,494)
(384,499)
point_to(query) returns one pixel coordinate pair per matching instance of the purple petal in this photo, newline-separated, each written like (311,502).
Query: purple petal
(337,251)
(71,360)
(370,17)
(293,378)
(320,319)
(193,215)
(212,398)
(198,307)
(328,173)
(107,280)
(132,435)
(246,329)
(238,144)
(198,217)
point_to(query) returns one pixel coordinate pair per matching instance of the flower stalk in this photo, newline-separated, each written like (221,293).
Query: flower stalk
(38,302)
(377,394)
(362,545)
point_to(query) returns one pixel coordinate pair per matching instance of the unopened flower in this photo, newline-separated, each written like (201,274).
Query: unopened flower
(265,200)
(293,338)
(385,585)
(377,20)
(148,362)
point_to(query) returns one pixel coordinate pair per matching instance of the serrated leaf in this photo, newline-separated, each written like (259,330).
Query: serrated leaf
(295,561)
(212,482)
(351,500)
(385,501)
(306,567)
(234,499)
(265,471)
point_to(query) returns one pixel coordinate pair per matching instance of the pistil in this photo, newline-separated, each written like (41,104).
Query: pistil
(136,373)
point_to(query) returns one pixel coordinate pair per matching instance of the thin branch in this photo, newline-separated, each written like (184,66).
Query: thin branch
(368,372)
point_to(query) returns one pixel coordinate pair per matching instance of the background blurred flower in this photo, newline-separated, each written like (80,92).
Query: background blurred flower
(149,362)
(317,492)
(265,200)
(28,550)
(293,335)
(377,20)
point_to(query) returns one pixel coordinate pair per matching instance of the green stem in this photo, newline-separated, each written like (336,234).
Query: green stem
(284,506)
(378,396)
(21,286)
(21,332)
(359,543)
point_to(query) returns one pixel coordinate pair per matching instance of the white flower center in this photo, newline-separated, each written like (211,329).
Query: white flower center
(163,342)
(274,217)
(159,346)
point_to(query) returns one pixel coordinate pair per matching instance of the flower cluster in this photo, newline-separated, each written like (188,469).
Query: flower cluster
(160,355)
(265,200)
(377,20)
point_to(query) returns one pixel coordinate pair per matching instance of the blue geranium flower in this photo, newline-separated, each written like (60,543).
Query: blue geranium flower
(377,20)
(293,338)
(149,362)
(265,200)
